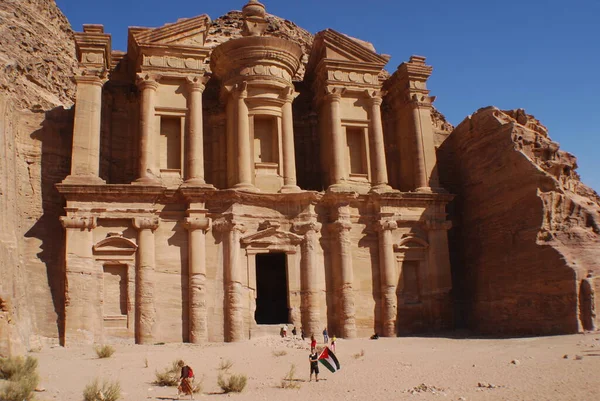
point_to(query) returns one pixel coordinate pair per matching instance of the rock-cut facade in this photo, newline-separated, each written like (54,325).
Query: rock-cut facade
(219,190)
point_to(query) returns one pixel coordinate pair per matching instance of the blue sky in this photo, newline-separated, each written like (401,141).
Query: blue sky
(540,55)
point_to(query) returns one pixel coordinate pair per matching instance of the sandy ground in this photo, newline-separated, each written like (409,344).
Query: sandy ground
(540,368)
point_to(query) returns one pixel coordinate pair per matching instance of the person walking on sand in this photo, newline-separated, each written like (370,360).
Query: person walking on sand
(302,333)
(285,330)
(294,332)
(333,343)
(314,364)
(186,380)
(313,342)
(325,336)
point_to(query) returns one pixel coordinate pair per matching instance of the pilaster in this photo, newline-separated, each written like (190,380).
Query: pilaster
(388,277)
(93,55)
(197,226)
(289,156)
(338,172)
(379,180)
(347,312)
(234,322)
(310,306)
(83,317)
(145,282)
(148,169)
(195,155)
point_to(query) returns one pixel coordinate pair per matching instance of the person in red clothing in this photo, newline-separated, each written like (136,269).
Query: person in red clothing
(186,380)
(313,341)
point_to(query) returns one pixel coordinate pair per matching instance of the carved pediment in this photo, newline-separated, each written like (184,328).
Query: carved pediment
(411,243)
(271,236)
(185,32)
(115,244)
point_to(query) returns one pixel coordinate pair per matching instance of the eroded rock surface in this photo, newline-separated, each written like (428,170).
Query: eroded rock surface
(37,54)
(526,230)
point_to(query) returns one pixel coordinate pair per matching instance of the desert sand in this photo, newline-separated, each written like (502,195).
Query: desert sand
(538,368)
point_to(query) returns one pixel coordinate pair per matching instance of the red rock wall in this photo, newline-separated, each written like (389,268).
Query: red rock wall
(525,228)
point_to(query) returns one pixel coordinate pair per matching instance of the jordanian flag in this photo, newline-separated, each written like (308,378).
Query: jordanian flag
(328,359)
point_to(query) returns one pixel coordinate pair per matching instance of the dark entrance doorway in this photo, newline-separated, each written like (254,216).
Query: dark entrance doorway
(272,289)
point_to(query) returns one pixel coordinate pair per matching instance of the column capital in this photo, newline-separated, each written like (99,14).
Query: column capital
(146,223)
(197,82)
(224,226)
(302,228)
(144,81)
(384,225)
(334,93)
(289,94)
(240,91)
(375,97)
(95,79)
(80,222)
(340,226)
(436,224)
(197,223)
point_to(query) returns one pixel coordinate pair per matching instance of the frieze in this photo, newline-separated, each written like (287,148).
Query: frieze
(352,77)
(172,62)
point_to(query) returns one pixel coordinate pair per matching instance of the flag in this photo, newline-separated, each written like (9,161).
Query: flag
(328,359)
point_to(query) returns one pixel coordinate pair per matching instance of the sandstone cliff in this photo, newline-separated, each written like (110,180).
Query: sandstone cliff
(37,62)
(526,230)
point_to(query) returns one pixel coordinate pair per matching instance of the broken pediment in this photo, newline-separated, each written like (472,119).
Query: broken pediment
(185,32)
(333,45)
(411,243)
(271,236)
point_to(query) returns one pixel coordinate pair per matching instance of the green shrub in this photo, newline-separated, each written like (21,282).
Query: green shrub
(169,377)
(22,378)
(104,351)
(360,354)
(233,383)
(108,391)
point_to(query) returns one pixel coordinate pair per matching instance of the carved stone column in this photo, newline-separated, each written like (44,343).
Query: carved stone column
(379,179)
(242,123)
(85,156)
(144,283)
(309,307)
(234,321)
(419,155)
(387,273)
(148,87)
(83,315)
(289,155)
(197,278)
(338,172)
(195,160)
(346,292)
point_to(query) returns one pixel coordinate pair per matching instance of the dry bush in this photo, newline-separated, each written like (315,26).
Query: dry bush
(108,391)
(280,353)
(104,351)
(169,377)
(225,365)
(233,383)
(360,354)
(290,381)
(22,378)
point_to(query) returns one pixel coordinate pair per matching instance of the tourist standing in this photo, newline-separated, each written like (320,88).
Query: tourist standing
(333,343)
(313,342)
(325,336)
(314,364)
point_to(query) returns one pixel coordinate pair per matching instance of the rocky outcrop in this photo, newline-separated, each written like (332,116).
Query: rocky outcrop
(37,54)
(526,230)
(37,62)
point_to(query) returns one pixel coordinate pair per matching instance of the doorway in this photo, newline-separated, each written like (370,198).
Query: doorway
(271,289)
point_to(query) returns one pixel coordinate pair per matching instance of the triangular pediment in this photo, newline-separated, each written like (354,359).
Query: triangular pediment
(272,236)
(185,32)
(333,45)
